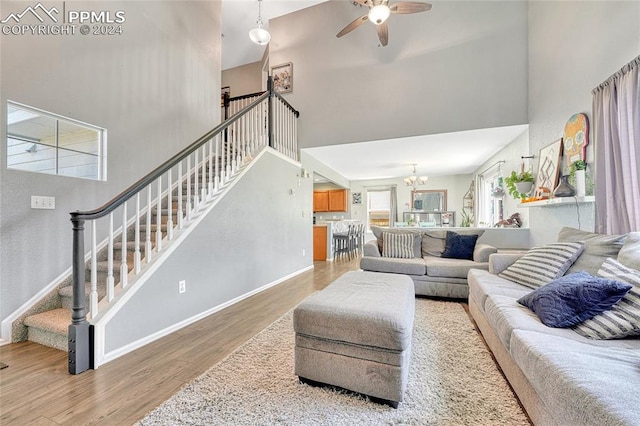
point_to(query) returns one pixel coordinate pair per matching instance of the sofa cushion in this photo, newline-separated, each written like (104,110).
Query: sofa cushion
(434,241)
(398,245)
(583,383)
(543,264)
(413,266)
(377,232)
(574,298)
(483,283)
(597,247)
(629,254)
(482,252)
(623,319)
(453,268)
(459,246)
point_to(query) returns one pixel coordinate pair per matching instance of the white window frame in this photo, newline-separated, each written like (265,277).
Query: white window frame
(101,173)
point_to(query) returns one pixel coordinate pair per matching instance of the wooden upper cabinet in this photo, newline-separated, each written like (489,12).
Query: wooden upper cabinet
(334,200)
(320,201)
(338,200)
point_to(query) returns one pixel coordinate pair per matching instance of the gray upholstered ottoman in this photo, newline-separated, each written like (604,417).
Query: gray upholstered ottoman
(356,334)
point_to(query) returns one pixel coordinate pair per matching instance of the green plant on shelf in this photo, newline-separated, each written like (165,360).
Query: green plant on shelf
(515,178)
(467,219)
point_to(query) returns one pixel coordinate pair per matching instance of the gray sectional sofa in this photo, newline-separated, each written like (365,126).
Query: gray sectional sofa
(560,377)
(432,274)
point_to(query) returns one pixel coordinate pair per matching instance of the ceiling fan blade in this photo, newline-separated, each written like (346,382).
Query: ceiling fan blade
(364,2)
(383,33)
(406,7)
(352,26)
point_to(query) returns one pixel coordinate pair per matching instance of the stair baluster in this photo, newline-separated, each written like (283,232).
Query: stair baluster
(137,257)
(93,295)
(158,217)
(124,268)
(110,280)
(169,207)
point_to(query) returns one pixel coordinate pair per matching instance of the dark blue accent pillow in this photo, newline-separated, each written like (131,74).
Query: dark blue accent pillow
(459,246)
(574,298)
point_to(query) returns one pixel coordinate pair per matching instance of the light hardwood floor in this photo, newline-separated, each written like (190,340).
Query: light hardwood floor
(36,388)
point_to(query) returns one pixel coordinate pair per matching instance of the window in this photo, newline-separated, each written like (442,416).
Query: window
(378,208)
(491,209)
(42,142)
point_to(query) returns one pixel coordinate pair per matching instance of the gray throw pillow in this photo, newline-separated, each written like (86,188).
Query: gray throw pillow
(597,248)
(543,264)
(622,320)
(377,232)
(399,246)
(629,254)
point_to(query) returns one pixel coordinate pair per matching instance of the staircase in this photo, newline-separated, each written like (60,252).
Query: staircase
(149,215)
(50,328)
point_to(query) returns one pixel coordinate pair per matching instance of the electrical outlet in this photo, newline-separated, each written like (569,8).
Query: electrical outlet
(40,202)
(182,286)
(304,252)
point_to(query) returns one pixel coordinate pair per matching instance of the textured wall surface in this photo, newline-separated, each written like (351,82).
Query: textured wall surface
(155,88)
(461,66)
(254,236)
(573,47)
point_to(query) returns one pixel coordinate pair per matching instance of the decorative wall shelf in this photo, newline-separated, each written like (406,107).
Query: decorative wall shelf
(560,201)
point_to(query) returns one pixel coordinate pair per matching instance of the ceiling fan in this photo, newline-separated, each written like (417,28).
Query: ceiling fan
(379,11)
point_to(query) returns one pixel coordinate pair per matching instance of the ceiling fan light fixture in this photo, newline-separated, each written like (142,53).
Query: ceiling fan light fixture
(259,35)
(378,14)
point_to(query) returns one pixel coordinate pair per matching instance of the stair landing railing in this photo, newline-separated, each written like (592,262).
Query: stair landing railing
(177,189)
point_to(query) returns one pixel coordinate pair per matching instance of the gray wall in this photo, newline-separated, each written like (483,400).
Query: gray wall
(244,79)
(254,236)
(461,66)
(573,47)
(155,88)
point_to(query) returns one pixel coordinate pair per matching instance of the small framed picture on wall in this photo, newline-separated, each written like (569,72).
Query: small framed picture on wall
(357,197)
(282,77)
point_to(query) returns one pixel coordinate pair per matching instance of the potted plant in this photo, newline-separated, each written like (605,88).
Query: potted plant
(519,184)
(577,175)
(467,219)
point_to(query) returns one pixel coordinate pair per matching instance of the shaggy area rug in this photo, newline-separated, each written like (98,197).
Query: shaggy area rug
(453,381)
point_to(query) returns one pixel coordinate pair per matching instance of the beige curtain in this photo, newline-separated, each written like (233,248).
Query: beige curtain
(616,134)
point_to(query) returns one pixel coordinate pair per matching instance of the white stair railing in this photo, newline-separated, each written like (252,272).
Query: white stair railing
(185,184)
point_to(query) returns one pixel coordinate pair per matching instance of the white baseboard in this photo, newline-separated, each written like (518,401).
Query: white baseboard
(110,356)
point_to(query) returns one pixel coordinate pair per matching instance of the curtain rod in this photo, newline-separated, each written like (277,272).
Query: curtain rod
(625,69)
(380,186)
(491,167)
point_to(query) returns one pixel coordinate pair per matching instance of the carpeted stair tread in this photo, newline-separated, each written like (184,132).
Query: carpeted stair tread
(56,321)
(68,290)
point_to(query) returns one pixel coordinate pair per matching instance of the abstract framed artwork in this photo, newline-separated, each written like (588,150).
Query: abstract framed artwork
(282,77)
(549,167)
(356,198)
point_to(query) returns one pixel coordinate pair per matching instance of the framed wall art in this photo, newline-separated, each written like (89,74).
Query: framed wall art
(356,197)
(282,77)
(549,167)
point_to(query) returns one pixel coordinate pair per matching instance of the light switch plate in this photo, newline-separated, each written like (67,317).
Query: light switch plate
(41,202)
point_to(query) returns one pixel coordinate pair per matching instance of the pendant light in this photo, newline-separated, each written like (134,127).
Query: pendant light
(259,35)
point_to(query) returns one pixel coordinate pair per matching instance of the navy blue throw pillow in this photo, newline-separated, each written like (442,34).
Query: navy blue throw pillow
(574,298)
(459,246)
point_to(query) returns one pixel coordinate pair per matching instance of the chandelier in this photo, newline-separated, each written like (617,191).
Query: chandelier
(415,180)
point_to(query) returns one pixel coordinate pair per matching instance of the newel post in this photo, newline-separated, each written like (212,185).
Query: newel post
(270,113)
(79,342)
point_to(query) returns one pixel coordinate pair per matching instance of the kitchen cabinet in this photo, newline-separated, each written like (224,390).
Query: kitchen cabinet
(320,242)
(334,200)
(320,201)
